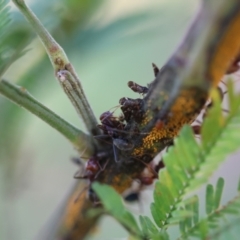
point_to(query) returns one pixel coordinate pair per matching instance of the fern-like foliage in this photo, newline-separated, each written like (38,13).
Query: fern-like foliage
(4,19)
(4,22)
(4,16)
(12,43)
(189,164)
(220,221)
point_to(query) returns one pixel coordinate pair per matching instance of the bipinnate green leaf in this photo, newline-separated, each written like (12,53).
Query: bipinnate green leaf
(216,215)
(4,16)
(189,164)
(209,199)
(214,121)
(191,216)
(218,192)
(12,41)
(148,227)
(163,235)
(4,22)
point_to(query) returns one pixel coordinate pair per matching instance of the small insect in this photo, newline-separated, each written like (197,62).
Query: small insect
(111,123)
(137,88)
(123,144)
(196,129)
(132,109)
(107,118)
(93,197)
(92,168)
(130,103)
(155,69)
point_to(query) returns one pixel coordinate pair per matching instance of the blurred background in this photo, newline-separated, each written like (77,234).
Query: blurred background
(109,43)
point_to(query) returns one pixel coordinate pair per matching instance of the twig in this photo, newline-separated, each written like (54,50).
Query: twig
(20,96)
(72,222)
(60,62)
(181,87)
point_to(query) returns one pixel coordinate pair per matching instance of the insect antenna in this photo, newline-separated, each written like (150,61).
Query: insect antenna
(111,113)
(115,108)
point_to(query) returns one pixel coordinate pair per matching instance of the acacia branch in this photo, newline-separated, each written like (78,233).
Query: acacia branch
(176,96)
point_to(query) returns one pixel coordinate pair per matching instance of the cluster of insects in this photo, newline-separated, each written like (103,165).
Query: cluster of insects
(118,132)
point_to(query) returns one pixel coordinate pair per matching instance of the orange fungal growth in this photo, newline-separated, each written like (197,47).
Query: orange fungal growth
(184,111)
(225,52)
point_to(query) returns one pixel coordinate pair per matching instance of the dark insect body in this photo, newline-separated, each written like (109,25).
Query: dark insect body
(132,109)
(110,123)
(155,69)
(93,167)
(137,88)
(93,197)
(114,128)
(196,129)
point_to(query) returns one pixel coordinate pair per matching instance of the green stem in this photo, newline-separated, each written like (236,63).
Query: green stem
(53,49)
(20,96)
(60,62)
